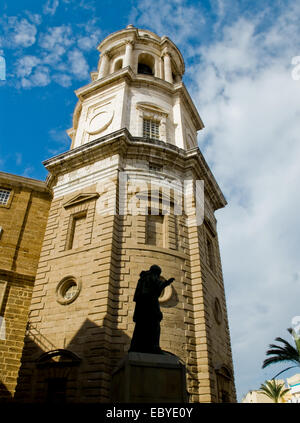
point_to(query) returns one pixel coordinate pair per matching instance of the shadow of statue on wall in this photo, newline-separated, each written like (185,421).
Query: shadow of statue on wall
(77,373)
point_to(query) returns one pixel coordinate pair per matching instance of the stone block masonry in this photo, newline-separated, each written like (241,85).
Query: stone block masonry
(23,222)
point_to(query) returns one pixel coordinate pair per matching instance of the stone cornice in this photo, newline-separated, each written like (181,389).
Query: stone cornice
(16,277)
(94,86)
(21,181)
(121,142)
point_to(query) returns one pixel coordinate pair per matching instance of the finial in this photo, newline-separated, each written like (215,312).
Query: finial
(129,26)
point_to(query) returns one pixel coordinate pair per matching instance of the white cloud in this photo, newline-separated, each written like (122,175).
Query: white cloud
(50,7)
(25,33)
(85,43)
(28,172)
(35,18)
(18,32)
(63,79)
(25,65)
(57,37)
(176,18)
(54,54)
(88,42)
(78,64)
(32,73)
(250,107)
(88,5)
(19,159)
(40,77)
(91,35)
(59,53)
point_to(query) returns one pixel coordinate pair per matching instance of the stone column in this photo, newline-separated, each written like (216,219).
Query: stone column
(103,71)
(167,68)
(128,54)
(163,128)
(157,68)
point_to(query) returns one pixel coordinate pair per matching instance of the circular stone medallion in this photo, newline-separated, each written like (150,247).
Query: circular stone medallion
(100,122)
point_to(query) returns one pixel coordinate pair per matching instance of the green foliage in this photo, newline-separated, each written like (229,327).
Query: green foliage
(274,390)
(284,353)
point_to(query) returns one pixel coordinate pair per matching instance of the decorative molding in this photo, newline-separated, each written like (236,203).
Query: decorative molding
(103,119)
(106,53)
(132,42)
(166,53)
(151,109)
(80,199)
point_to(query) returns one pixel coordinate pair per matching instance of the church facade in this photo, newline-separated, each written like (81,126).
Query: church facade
(133,190)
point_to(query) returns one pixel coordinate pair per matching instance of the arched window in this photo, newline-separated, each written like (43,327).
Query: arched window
(146,64)
(57,369)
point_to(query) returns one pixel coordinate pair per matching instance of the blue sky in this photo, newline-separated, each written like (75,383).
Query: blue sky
(238,57)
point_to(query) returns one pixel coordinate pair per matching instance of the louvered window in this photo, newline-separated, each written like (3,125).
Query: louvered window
(151,129)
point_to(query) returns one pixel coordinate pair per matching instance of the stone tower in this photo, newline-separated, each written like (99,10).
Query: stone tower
(134,128)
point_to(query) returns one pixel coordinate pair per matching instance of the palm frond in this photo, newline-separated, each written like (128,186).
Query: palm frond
(285,353)
(273,389)
(287,346)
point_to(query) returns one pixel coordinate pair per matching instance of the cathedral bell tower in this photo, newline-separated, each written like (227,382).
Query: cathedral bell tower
(115,212)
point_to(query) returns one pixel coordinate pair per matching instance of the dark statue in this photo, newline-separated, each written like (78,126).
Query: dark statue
(147,315)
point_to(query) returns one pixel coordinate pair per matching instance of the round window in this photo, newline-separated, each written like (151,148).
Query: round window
(70,291)
(67,290)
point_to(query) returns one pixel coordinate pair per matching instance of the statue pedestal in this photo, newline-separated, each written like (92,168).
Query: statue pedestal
(142,378)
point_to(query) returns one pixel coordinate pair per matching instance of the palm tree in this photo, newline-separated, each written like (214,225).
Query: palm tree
(285,353)
(274,390)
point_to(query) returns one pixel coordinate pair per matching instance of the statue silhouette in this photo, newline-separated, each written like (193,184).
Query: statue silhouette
(147,315)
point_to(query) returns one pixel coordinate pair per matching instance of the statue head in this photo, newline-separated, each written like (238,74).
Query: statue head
(155,269)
